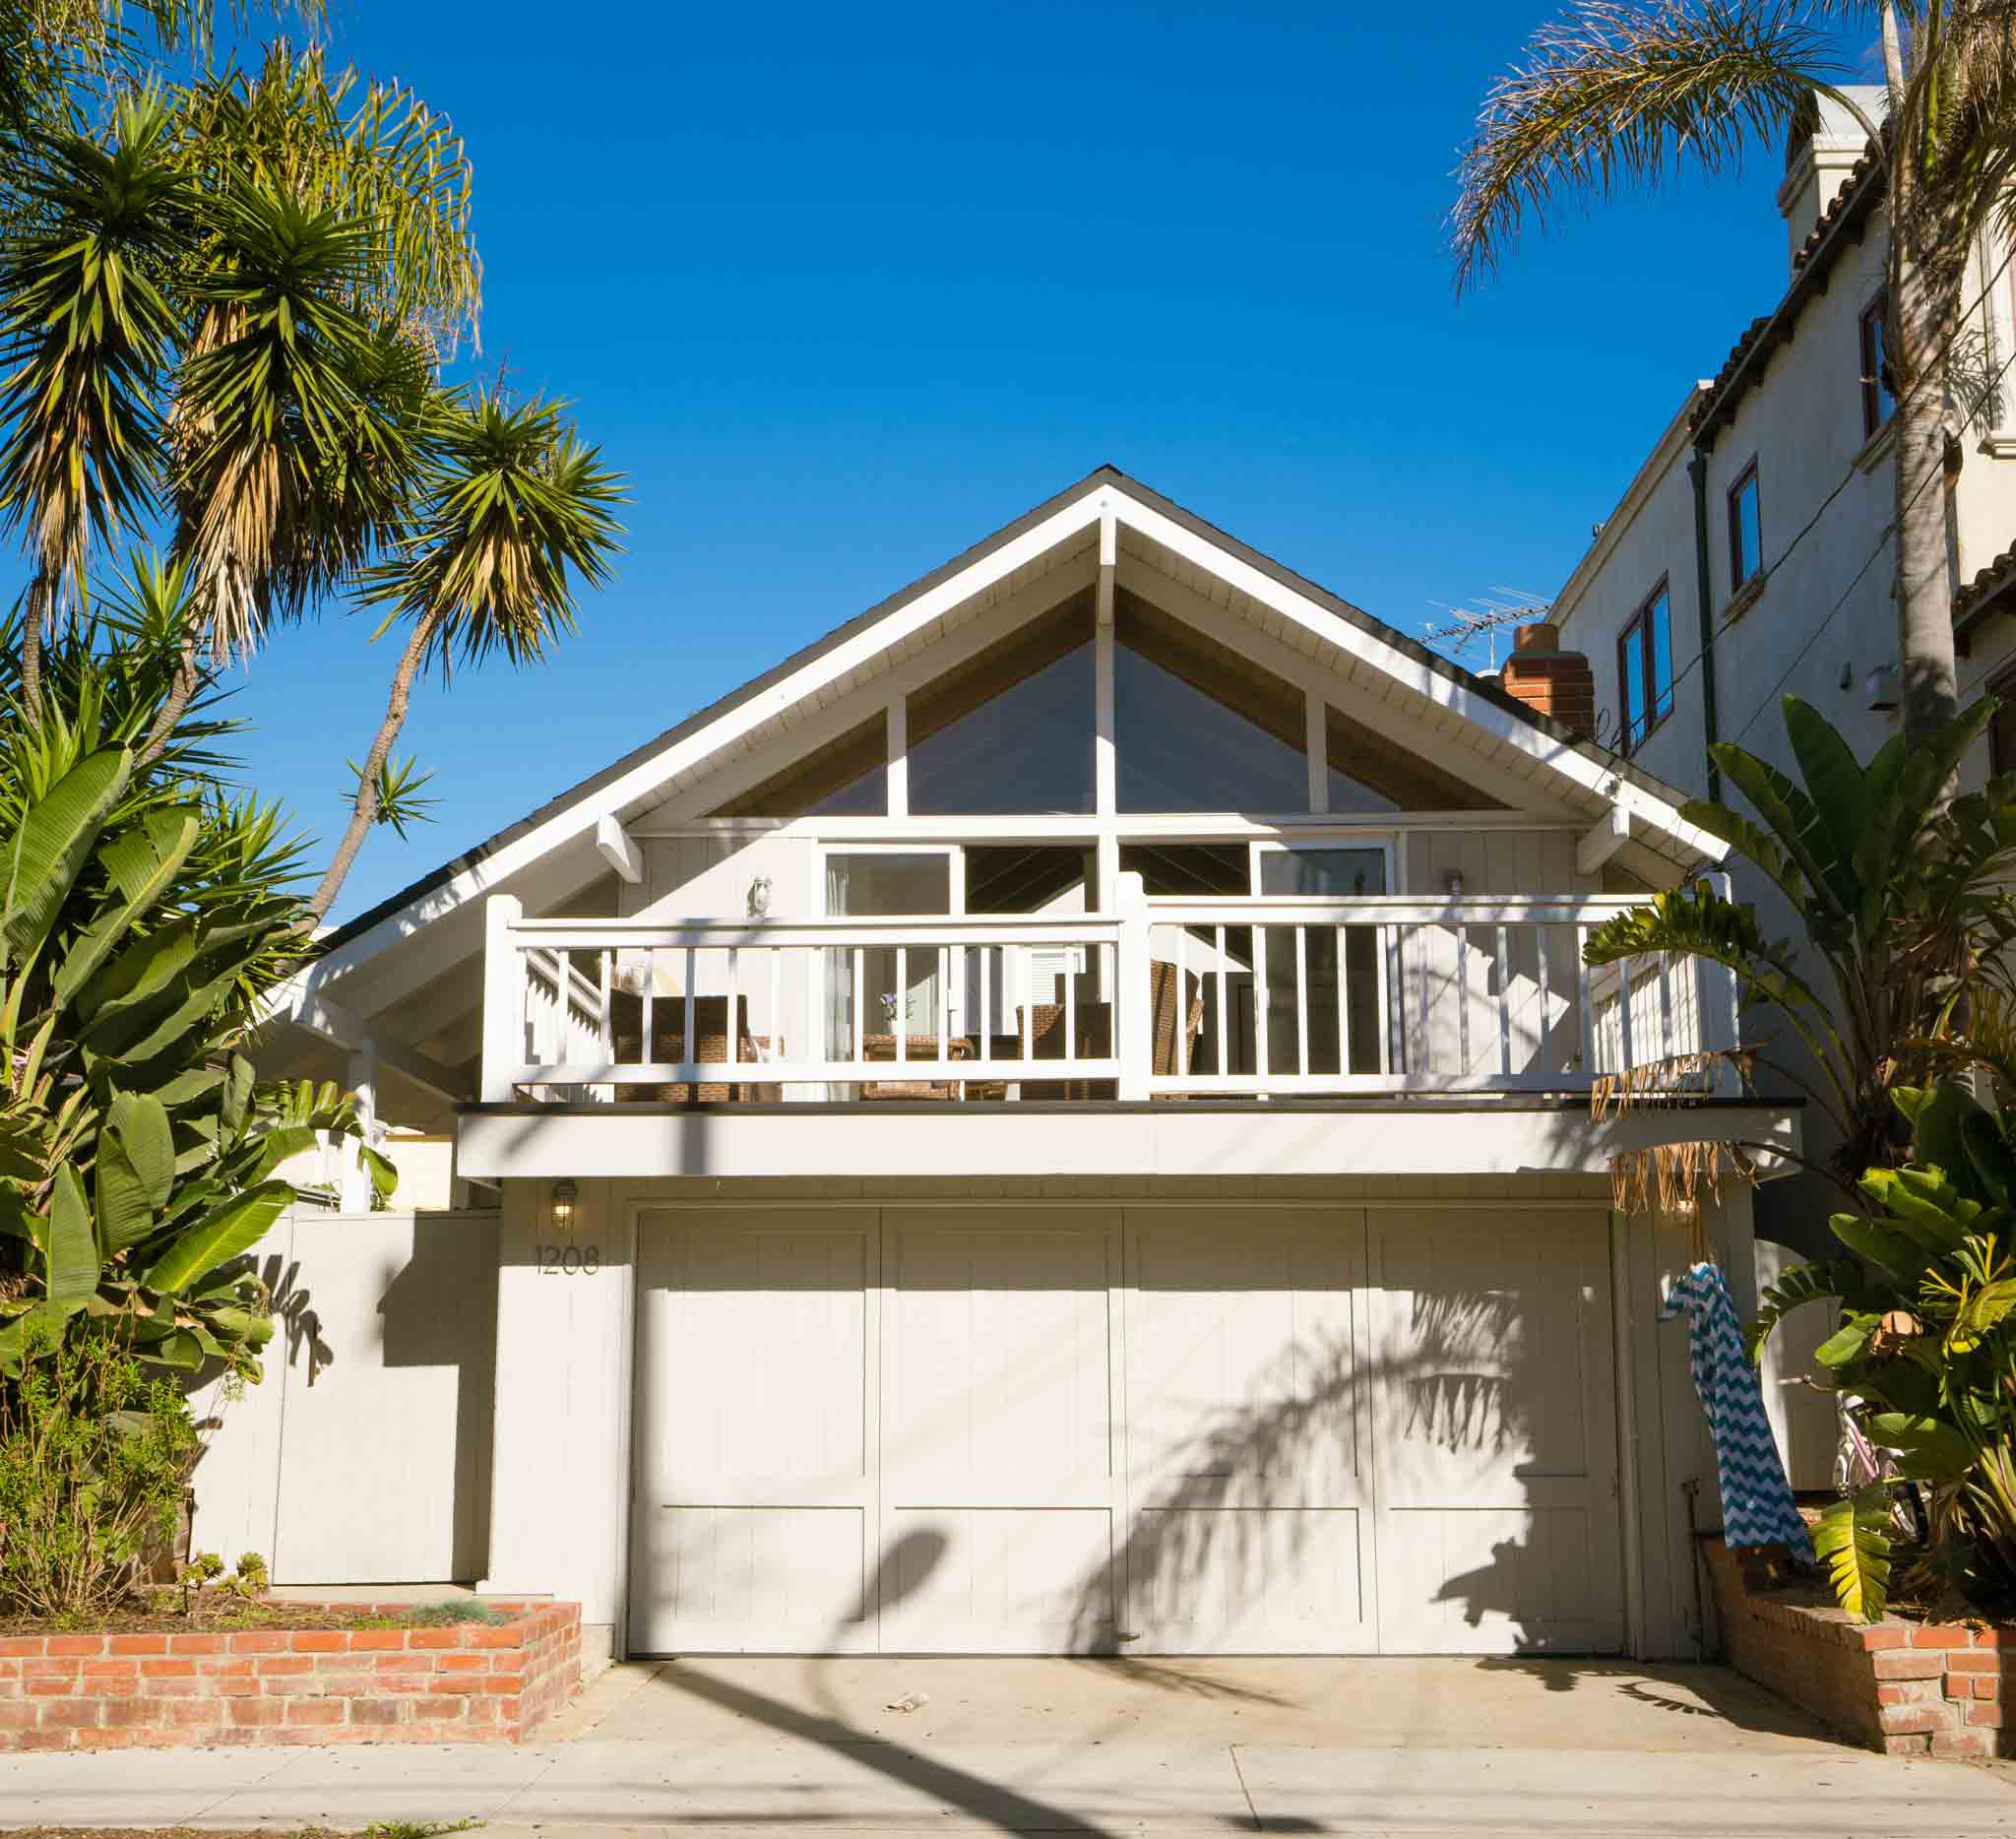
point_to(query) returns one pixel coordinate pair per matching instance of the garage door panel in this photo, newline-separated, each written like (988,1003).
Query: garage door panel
(1247,1409)
(1244,1381)
(782,1422)
(1249,1580)
(1497,1477)
(1483,1580)
(998,1580)
(753,1525)
(754,1577)
(997,1383)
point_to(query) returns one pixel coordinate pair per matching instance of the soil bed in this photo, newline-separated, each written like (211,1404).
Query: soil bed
(218,1616)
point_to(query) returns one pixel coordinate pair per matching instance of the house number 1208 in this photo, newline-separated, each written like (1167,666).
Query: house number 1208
(569,1260)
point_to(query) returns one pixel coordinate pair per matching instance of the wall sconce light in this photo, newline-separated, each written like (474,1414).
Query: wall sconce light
(1453,881)
(565,1194)
(1884,695)
(759,897)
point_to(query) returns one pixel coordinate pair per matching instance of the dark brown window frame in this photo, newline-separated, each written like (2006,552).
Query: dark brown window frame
(1874,314)
(1738,580)
(1638,629)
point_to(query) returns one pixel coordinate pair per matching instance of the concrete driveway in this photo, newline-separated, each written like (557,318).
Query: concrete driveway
(1147,1748)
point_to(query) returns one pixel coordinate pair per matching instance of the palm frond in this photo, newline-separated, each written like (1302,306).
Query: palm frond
(1611,93)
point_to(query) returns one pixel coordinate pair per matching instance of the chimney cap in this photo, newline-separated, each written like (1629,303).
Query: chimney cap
(1543,635)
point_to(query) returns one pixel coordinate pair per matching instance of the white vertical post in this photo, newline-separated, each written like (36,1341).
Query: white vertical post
(1104,749)
(899,757)
(1182,1007)
(900,1015)
(1343,1004)
(362,1077)
(503,997)
(1225,1056)
(1504,1002)
(1262,1065)
(1303,999)
(734,1004)
(1720,1013)
(1316,743)
(1546,1020)
(1133,1017)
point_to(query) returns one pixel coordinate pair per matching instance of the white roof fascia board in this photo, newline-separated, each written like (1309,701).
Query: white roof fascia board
(1592,775)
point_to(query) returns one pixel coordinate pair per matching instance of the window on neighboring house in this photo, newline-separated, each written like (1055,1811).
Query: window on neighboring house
(1645,667)
(1877,402)
(1745,529)
(2002,726)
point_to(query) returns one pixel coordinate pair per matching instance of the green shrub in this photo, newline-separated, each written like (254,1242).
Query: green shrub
(455,1609)
(95,1457)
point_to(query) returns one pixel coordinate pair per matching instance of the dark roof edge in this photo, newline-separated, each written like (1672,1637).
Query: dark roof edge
(1108,475)
(1841,226)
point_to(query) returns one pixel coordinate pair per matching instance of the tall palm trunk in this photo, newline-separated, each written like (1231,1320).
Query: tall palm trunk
(1923,323)
(33,612)
(365,812)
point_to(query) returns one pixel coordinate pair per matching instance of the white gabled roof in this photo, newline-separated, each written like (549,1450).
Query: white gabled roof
(1463,713)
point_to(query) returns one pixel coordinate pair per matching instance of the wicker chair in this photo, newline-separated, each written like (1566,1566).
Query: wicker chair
(669,1045)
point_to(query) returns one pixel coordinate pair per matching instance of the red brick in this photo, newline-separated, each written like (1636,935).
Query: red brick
(16,1717)
(239,1686)
(168,1669)
(196,1643)
(132,1713)
(177,1688)
(1940,1634)
(1963,1743)
(196,1713)
(1984,1717)
(260,1641)
(314,1711)
(77,1714)
(374,1711)
(43,1739)
(139,1644)
(480,1636)
(321,1641)
(271,1665)
(78,1644)
(255,1711)
(376,1641)
(464,1663)
(1902,1719)
(24,1644)
(437,1637)
(1909,1665)
(49,1689)
(111,1670)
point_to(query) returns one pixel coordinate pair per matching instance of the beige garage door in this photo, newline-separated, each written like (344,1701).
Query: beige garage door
(1156,1430)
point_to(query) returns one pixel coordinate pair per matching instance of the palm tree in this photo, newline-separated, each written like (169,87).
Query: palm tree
(87,330)
(1615,91)
(518,507)
(333,266)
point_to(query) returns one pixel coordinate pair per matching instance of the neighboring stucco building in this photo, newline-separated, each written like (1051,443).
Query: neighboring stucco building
(1748,558)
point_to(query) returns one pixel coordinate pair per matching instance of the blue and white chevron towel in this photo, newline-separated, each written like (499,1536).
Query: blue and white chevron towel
(1756,1499)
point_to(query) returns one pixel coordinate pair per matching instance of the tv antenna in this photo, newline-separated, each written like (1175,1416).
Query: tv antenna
(1483,617)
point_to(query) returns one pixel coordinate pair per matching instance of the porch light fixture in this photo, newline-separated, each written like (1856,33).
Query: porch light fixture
(1453,881)
(565,1194)
(1884,695)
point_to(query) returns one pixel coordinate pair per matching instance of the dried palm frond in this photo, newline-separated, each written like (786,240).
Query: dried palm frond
(1670,1177)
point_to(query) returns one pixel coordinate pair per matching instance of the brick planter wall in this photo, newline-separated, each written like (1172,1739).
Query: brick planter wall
(1904,1687)
(478,1682)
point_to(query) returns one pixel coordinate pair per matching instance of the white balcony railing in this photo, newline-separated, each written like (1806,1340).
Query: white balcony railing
(1255,997)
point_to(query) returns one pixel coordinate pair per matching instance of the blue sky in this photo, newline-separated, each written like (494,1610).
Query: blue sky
(842,290)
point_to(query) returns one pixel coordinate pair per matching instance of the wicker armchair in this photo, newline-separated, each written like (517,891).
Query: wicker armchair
(669,1045)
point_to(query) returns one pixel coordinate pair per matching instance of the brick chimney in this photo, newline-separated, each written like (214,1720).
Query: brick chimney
(1550,680)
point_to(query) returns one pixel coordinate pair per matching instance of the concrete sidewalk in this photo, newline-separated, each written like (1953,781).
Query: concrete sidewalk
(1145,1749)
(1120,1789)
